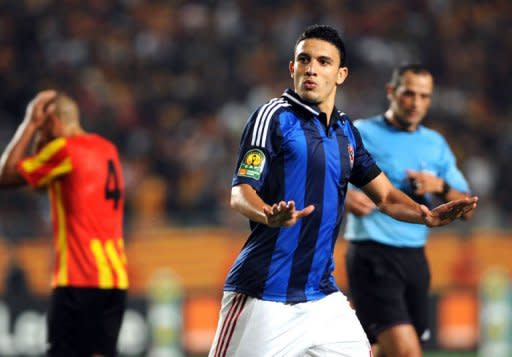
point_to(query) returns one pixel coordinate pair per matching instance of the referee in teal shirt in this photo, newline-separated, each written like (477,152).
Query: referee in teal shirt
(387,268)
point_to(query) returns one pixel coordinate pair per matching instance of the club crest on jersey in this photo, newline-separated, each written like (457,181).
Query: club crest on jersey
(252,165)
(350,150)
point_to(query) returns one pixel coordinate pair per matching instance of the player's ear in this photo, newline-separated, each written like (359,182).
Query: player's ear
(342,75)
(291,68)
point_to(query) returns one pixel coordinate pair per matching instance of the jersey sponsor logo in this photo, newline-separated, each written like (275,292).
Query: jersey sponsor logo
(252,165)
(350,150)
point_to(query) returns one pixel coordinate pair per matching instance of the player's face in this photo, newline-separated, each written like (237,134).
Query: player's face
(316,72)
(411,99)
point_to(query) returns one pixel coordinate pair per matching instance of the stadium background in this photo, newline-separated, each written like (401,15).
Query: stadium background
(172,83)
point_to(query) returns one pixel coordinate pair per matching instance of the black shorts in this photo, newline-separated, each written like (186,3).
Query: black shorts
(84,321)
(388,286)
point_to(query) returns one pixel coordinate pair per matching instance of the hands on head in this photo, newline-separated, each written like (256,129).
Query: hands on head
(284,214)
(448,212)
(40,108)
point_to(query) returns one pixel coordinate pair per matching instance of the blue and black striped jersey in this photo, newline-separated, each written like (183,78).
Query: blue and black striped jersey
(288,153)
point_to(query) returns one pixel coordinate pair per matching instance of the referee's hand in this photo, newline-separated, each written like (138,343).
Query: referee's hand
(284,214)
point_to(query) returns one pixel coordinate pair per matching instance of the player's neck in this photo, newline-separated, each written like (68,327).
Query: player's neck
(326,108)
(73,130)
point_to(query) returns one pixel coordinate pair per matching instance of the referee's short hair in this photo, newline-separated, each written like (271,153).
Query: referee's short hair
(398,72)
(326,33)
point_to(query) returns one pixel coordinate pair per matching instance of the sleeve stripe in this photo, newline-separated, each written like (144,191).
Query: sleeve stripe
(63,168)
(267,123)
(32,164)
(263,121)
(61,277)
(258,120)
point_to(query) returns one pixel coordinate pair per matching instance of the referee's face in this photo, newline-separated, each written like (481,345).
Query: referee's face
(411,99)
(316,72)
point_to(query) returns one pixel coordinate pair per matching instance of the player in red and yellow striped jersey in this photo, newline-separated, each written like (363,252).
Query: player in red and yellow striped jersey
(83,175)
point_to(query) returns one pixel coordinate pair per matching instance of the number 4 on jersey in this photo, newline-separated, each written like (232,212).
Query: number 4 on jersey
(112,190)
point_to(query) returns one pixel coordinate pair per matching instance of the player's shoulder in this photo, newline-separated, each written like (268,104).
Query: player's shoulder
(56,143)
(53,147)
(272,108)
(91,140)
(266,115)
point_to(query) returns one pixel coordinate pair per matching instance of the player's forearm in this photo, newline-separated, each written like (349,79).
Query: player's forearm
(350,202)
(245,200)
(392,201)
(401,207)
(13,153)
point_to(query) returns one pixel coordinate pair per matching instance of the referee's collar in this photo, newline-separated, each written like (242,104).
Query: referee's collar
(295,99)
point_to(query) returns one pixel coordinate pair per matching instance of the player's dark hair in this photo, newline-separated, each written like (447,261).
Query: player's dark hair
(399,71)
(326,33)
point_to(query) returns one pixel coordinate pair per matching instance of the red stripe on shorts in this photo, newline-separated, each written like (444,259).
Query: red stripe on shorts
(228,326)
(225,323)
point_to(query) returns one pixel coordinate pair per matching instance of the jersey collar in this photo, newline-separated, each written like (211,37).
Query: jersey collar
(296,100)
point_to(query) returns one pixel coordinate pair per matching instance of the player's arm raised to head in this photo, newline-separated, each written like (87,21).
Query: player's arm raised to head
(14,153)
(16,149)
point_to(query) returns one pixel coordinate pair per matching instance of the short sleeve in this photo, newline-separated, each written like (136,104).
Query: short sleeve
(365,168)
(51,162)
(449,171)
(257,147)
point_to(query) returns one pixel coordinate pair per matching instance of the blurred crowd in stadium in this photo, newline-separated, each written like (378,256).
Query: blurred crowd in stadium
(173,82)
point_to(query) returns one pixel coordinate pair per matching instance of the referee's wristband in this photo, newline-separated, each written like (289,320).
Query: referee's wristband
(446,189)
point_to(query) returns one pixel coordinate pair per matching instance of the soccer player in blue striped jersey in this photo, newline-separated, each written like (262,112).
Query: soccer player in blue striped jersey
(297,155)
(387,269)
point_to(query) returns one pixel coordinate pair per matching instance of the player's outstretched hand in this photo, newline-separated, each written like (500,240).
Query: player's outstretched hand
(284,214)
(448,212)
(38,109)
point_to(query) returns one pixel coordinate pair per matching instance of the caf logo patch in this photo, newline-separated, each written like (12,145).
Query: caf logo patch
(252,165)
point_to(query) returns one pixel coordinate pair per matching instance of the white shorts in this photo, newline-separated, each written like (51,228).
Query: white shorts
(252,327)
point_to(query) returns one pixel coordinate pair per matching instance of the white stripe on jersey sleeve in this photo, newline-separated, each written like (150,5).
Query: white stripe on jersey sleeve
(267,122)
(258,120)
(263,121)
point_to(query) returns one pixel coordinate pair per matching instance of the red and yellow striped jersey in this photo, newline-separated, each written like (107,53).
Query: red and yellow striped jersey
(84,178)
